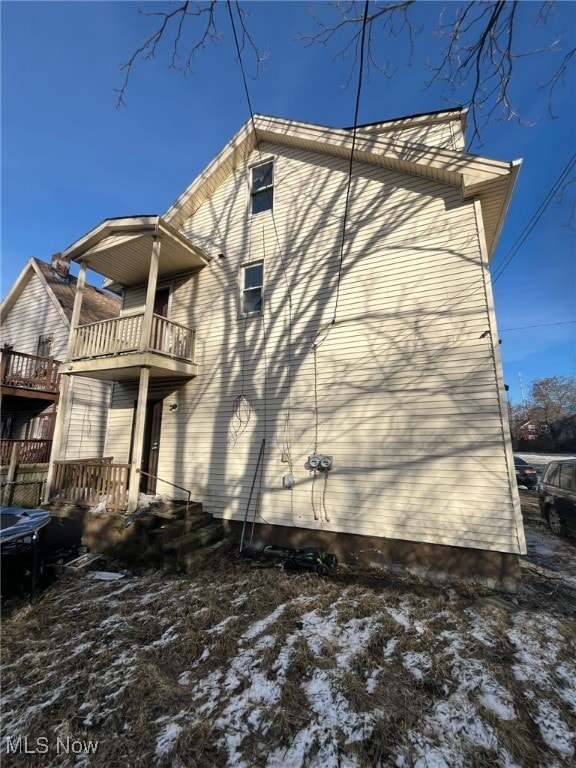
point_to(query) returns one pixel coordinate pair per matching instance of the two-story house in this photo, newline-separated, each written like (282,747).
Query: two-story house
(308,344)
(34,337)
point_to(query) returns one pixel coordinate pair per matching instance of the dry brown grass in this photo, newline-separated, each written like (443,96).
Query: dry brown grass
(251,662)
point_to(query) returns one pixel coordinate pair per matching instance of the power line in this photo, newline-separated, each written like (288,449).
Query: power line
(277,237)
(542,325)
(350,168)
(535,218)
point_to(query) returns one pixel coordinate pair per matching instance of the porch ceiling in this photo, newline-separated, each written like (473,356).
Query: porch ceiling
(120,250)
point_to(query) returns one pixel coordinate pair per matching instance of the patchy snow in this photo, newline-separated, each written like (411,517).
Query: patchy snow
(554,729)
(166,740)
(285,672)
(539,459)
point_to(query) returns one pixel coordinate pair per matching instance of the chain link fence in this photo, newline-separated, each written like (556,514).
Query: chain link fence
(22,493)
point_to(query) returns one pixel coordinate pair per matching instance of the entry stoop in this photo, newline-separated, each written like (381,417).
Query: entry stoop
(192,546)
(180,534)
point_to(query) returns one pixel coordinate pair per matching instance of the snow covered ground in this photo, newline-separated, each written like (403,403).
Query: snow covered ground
(539,460)
(246,667)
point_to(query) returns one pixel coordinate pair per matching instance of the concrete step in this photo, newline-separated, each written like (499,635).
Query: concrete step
(192,560)
(195,539)
(172,529)
(175,510)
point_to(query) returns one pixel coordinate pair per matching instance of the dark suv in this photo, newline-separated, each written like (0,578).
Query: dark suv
(557,496)
(526,474)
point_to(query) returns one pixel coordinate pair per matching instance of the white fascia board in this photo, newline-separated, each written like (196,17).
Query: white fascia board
(20,284)
(51,294)
(242,143)
(105,228)
(515,166)
(130,225)
(17,287)
(469,168)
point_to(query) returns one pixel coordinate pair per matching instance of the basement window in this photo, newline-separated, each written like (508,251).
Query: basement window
(252,283)
(262,187)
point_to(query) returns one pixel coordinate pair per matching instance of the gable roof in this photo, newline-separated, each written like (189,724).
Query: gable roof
(120,249)
(492,181)
(96,303)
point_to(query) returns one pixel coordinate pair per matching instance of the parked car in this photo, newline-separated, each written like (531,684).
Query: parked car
(526,474)
(557,496)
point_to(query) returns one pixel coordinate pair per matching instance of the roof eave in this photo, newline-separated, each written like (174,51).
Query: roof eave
(120,249)
(484,191)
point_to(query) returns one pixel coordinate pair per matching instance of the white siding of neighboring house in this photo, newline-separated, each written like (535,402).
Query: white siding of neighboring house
(404,393)
(34,314)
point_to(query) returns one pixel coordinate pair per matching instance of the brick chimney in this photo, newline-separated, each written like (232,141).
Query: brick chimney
(60,264)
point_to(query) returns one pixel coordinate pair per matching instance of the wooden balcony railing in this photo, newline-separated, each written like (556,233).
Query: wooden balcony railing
(27,451)
(30,372)
(124,334)
(89,481)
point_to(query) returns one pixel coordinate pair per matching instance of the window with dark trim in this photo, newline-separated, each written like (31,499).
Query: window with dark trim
(44,347)
(262,187)
(252,285)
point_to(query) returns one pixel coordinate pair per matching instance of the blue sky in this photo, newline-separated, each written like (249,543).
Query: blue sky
(70,158)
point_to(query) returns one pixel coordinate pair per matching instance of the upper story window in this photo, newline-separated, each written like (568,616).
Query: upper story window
(262,187)
(251,289)
(44,347)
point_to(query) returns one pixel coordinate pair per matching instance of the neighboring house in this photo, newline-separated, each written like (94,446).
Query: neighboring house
(528,431)
(258,335)
(34,337)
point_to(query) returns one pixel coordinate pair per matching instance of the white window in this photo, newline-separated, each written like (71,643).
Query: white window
(262,187)
(252,283)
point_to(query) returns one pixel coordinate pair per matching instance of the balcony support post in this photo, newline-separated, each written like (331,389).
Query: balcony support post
(14,456)
(75,320)
(150,295)
(65,399)
(138,445)
(6,353)
(63,407)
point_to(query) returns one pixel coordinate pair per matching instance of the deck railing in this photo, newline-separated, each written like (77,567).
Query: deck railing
(30,372)
(27,451)
(89,481)
(124,334)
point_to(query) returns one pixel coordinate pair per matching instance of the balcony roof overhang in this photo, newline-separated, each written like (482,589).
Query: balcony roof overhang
(120,250)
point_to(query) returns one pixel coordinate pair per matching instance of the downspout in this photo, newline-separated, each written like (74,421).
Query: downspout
(64,401)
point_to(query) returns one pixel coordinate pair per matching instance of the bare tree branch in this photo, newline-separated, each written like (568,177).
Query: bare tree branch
(476,66)
(193,26)
(394,22)
(478,60)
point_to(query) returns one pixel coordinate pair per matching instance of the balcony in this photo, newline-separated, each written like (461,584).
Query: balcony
(30,375)
(33,451)
(116,349)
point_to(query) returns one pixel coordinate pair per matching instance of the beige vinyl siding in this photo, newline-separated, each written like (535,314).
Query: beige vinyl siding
(24,414)
(89,407)
(447,135)
(403,393)
(120,419)
(134,300)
